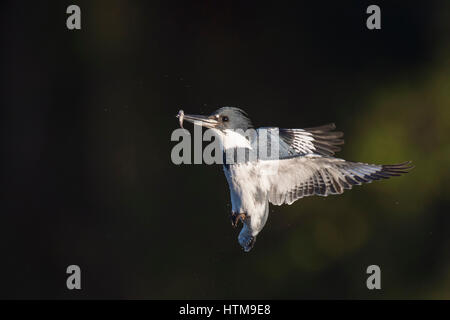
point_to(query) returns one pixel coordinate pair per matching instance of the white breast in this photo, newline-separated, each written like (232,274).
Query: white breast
(232,139)
(246,183)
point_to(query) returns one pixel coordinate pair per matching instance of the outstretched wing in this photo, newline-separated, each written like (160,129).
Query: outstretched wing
(291,143)
(318,140)
(299,177)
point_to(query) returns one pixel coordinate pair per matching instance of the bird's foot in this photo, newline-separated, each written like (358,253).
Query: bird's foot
(236,217)
(249,245)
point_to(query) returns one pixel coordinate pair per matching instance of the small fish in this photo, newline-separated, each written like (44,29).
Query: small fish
(180,117)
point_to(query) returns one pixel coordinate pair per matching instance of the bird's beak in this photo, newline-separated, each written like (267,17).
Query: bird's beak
(204,121)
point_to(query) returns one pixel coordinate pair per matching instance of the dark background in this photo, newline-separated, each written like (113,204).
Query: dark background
(87,177)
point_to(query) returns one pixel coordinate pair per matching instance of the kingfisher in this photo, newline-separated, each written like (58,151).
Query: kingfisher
(303,165)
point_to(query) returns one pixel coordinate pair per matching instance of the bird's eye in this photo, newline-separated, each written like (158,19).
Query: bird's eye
(224,118)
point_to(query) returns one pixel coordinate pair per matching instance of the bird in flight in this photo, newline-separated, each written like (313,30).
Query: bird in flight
(304,166)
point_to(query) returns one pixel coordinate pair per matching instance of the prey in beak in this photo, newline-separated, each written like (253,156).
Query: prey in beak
(204,121)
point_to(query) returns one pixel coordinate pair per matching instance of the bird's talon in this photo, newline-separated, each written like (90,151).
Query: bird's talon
(235,218)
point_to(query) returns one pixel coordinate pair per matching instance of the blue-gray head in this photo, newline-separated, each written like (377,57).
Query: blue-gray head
(222,119)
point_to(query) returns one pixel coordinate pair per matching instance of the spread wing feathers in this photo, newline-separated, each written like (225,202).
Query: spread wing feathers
(318,140)
(299,177)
